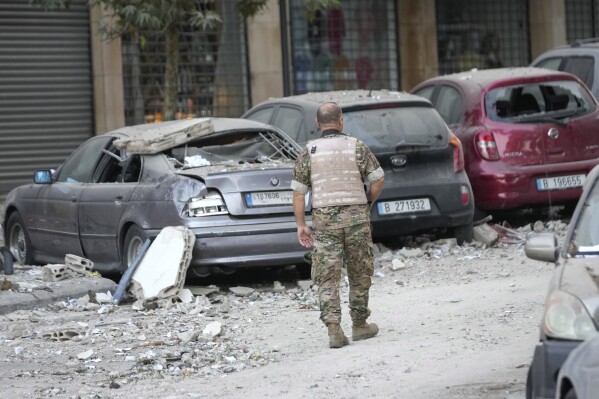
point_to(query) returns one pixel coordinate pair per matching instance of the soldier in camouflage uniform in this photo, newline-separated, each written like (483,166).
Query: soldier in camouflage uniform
(335,168)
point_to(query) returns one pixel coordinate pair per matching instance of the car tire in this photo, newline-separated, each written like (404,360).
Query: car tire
(463,233)
(17,240)
(134,239)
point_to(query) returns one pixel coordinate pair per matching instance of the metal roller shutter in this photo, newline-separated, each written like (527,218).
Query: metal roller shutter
(46,103)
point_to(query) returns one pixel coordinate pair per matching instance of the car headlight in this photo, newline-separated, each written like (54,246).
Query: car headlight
(209,205)
(567,318)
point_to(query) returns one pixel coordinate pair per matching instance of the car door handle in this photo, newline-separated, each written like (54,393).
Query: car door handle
(119,198)
(73,199)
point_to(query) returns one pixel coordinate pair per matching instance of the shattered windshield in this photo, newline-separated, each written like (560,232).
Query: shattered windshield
(585,240)
(233,149)
(549,101)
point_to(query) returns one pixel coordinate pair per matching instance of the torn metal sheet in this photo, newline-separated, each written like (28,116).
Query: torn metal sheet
(164,136)
(161,273)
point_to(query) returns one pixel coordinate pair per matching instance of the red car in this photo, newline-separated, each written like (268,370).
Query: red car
(530,135)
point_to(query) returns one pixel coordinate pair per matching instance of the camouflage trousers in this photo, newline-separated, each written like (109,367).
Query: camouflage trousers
(332,248)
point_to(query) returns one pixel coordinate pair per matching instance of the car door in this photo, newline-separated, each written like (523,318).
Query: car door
(56,212)
(103,202)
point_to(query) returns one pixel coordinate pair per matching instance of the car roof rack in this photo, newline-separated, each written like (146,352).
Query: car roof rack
(578,42)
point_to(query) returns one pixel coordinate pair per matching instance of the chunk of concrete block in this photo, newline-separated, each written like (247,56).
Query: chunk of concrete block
(485,234)
(212,330)
(54,272)
(78,265)
(241,291)
(161,272)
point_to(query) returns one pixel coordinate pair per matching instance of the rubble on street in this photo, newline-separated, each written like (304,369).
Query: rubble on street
(203,331)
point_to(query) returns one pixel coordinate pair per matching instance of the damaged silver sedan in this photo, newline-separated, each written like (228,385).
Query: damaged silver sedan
(225,179)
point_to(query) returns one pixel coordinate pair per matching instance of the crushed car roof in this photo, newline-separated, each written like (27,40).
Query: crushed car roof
(352,97)
(153,138)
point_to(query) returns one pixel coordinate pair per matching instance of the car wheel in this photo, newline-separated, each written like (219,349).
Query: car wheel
(571,394)
(463,233)
(18,240)
(134,240)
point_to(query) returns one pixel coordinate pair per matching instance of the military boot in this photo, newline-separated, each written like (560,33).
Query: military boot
(337,338)
(363,330)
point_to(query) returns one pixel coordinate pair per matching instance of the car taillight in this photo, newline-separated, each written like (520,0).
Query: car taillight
(465,195)
(458,153)
(486,146)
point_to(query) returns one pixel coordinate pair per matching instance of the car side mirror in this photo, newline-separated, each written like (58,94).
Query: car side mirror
(542,246)
(42,176)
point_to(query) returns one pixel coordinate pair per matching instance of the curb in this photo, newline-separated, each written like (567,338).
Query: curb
(11,301)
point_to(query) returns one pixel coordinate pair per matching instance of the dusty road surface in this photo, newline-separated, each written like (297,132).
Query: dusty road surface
(455,322)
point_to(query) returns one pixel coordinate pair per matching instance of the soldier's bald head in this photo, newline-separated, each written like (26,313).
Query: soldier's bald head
(329,115)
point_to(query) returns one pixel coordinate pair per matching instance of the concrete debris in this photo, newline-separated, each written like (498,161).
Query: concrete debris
(242,291)
(103,298)
(186,296)
(212,330)
(161,273)
(485,234)
(196,290)
(61,335)
(538,226)
(304,285)
(54,272)
(411,252)
(85,355)
(77,265)
(6,285)
(278,287)
(397,264)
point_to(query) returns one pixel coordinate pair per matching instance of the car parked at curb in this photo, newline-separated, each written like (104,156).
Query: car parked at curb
(425,184)
(530,135)
(571,313)
(227,180)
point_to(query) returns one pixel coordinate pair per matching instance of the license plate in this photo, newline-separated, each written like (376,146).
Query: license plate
(560,182)
(404,206)
(269,198)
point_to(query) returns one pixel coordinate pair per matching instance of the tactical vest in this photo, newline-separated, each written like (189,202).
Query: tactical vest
(334,175)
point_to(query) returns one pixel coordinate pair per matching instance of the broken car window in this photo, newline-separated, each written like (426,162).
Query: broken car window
(525,103)
(233,148)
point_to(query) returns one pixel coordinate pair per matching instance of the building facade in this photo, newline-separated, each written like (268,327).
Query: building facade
(61,83)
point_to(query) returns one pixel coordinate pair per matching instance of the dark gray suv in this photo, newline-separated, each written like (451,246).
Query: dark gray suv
(581,58)
(425,184)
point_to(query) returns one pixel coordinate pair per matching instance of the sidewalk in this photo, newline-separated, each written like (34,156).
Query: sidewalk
(25,289)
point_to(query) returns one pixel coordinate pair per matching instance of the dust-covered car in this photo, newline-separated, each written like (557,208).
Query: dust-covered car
(529,134)
(228,180)
(571,312)
(426,186)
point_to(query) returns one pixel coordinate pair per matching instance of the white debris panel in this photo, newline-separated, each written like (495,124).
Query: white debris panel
(161,273)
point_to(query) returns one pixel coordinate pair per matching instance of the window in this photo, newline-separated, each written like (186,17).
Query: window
(289,120)
(114,169)
(262,115)
(384,129)
(550,63)
(79,167)
(547,100)
(582,67)
(350,47)
(450,105)
(426,92)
